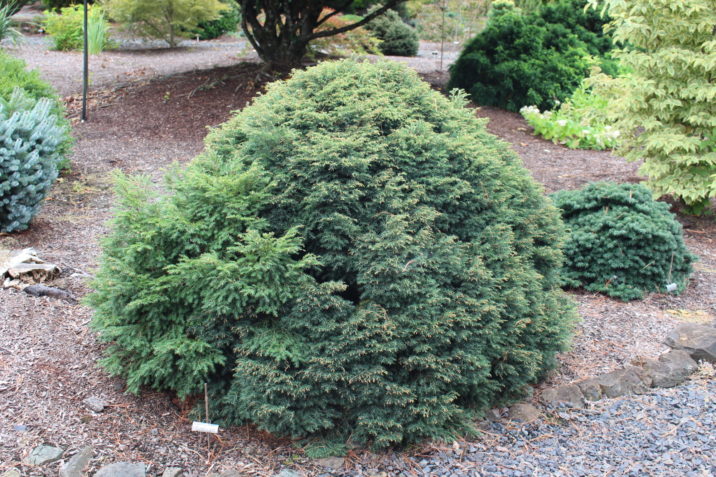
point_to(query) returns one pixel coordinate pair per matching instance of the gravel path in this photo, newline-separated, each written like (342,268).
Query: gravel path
(665,433)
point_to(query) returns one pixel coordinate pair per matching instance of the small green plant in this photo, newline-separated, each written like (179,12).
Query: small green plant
(396,37)
(7,30)
(581,122)
(353,255)
(622,242)
(30,141)
(66,28)
(524,59)
(168,20)
(13,6)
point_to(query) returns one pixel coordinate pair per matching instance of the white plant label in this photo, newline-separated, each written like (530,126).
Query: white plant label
(205,427)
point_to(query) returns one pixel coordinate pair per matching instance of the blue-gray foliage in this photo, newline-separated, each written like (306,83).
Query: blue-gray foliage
(29,155)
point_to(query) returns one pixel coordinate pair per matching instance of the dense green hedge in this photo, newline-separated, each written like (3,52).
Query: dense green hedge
(352,254)
(622,242)
(531,59)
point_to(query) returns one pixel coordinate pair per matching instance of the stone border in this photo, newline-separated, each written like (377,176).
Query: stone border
(689,344)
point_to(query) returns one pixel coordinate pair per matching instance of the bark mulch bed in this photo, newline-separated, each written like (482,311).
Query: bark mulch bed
(48,356)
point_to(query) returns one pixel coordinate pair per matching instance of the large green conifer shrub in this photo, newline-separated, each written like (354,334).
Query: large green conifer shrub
(352,254)
(622,242)
(531,59)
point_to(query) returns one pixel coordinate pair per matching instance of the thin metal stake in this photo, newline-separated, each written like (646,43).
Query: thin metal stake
(206,411)
(85,66)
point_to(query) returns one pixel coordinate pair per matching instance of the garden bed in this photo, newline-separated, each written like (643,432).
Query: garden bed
(48,356)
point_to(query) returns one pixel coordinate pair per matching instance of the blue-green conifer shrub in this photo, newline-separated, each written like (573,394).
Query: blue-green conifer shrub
(353,254)
(30,143)
(622,242)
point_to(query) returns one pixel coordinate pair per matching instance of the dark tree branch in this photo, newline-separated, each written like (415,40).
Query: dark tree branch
(335,31)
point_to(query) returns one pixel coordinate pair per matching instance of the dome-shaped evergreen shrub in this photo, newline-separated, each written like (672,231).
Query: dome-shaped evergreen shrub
(352,254)
(622,242)
(531,59)
(30,153)
(397,38)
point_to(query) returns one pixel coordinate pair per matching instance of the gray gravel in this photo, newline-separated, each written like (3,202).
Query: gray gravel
(668,432)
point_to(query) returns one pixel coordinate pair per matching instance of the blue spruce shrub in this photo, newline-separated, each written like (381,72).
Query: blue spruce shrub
(353,254)
(622,242)
(30,141)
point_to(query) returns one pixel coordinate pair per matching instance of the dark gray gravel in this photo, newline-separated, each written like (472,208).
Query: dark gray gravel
(668,432)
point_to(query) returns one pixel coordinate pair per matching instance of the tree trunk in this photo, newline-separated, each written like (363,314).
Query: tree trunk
(281,30)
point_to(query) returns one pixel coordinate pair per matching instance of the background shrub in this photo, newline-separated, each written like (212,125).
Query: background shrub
(30,141)
(358,41)
(13,6)
(7,29)
(529,59)
(621,241)
(668,114)
(396,37)
(353,253)
(16,75)
(168,20)
(66,28)
(227,22)
(583,121)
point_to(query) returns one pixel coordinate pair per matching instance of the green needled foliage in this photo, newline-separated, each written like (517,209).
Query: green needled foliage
(30,141)
(397,38)
(352,254)
(531,59)
(668,119)
(622,242)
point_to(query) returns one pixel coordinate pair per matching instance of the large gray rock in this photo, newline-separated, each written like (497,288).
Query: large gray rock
(671,369)
(43,454)
(524,412)
(11,473)
(122,469)
(591,389)
(624,381)
(76,465)
(568,394)
(697,340)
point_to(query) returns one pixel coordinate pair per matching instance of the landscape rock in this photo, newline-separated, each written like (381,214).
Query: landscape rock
(568,394)
(524,412)
(591,389)
(173,472)
(671,369)
(287,473)
(624,381)
(76,465)
(333,463)
(11,473)
(122,469)
(43,454)
(95,404)
(697,340)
